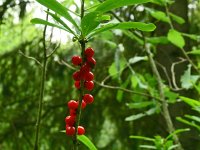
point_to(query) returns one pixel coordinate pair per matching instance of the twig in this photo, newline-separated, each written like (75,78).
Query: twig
(173,73)
(126,90)
(44,67)
(53,51)
(32,58)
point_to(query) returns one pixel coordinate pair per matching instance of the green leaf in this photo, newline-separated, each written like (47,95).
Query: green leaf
(134,81)
(176,38)
(194,52)
(188,123)
(139,105)
(140,115)
(148,146)
(187,80)
(176,132)
(189,101)
(159,15)
(142,138)
(113,70)
(56,18)
(59,9)
(113,4)
(194,118)
(125,25)
(191,36)
(44,22)
(158,40)
(176,18)
(86,141)
(89,22)
(136,59)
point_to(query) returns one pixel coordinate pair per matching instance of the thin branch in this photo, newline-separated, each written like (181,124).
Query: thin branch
(173,73)
(53,51)
(42,88)
(126,90)
(32,58)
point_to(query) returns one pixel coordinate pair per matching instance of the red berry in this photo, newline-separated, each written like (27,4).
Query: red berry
(89,52)
(76,76)
(91,61)
(72,112)
(72,104)
(88,98)
(89,76)
(81,130)
(70,120)
(77,84)
(89,85)
(84,69)
(76,60)
(83,104)
(70,130)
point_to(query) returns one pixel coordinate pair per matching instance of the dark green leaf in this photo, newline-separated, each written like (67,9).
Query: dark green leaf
(86,141)
(176,18)
(44,22)
(113,4)
(176,38)
(59,9)
(158,40)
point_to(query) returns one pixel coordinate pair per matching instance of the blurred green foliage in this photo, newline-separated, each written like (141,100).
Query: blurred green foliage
(115,114)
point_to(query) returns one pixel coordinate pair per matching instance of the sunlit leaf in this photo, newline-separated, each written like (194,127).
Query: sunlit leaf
(44,22)
(142,138)
(187,80)
(61,22)
(158,40)
(194,52)
(87,142)
(176,38)
(59,9)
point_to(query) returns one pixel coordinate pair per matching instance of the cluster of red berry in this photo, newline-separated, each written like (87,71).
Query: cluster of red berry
(82,76)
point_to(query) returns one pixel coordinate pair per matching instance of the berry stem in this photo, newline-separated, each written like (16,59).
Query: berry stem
(82,42)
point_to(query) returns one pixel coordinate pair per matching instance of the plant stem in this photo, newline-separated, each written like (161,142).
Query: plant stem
(165,110)
(82,42)
(42,85)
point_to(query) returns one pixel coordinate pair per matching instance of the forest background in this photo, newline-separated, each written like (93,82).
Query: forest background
(139,78)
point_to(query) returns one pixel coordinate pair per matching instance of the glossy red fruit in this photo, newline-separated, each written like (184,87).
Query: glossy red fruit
(72,112)
(91,61)
(88,98)
(72,104)
(89,76)
(89,52)
(76,60)
(84,69)
(77,76)
(83,104)
(77,84)
(70,120)
(81,130)
(89,85)
(70,130)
